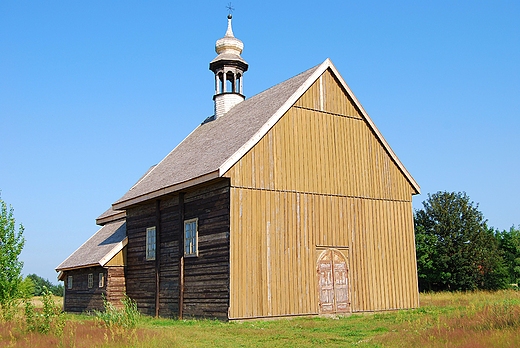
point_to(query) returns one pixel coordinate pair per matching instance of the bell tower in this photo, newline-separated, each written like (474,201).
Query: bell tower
(228,67)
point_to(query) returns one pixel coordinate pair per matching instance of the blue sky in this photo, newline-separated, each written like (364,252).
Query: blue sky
(92,93)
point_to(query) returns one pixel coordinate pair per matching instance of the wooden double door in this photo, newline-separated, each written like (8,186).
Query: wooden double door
(333,282)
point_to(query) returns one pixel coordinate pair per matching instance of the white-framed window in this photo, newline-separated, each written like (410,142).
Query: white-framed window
(69,282)
(101,280)
(191,238)
(90,280)
(150,243)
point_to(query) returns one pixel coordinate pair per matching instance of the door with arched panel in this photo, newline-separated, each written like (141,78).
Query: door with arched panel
(332,277)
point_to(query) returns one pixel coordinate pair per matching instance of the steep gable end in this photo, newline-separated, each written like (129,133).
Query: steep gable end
(213,148)
(327,95)
(324,144)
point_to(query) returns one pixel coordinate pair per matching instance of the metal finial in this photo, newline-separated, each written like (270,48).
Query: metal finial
(230,9)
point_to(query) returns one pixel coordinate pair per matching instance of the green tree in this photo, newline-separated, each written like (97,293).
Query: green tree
(11,245)
(40,284)
(509,243)
(58,290)
(455,248)
(493,273)
(26,290)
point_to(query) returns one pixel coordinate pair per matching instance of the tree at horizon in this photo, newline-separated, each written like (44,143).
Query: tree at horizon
(455,248)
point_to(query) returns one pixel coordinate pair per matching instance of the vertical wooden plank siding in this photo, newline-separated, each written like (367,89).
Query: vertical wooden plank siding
(118,260)
(319,178)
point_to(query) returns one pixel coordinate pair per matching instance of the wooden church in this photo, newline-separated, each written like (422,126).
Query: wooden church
(287,203)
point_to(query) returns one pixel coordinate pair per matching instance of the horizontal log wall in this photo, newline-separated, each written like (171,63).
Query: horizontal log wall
(140,273)
(115,285)
(169,261)
(206,290)
(319,177)
(206,277)
(81,298)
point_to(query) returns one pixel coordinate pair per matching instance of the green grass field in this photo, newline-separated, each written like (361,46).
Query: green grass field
(476,319)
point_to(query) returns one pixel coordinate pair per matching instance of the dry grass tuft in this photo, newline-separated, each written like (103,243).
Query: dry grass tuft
(77,333)
(37,301)
(473,319)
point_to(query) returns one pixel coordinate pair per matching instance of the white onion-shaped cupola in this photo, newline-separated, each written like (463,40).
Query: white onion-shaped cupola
(229,68)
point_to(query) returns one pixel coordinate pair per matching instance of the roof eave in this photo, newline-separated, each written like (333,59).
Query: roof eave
(111,218)
(81,246)
(121,205)
(380,136)
(117,248)
(64,269)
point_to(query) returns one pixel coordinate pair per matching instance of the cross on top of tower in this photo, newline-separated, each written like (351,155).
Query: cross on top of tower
(230,9)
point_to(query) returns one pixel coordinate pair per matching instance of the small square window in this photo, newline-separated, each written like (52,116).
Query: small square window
(69,282)
(101,280)
(90,280)
(150,243)
(191,247)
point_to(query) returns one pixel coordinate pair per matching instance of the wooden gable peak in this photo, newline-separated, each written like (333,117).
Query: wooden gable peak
(322,68)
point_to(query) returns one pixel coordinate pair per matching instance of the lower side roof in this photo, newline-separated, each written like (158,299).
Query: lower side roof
(98,249)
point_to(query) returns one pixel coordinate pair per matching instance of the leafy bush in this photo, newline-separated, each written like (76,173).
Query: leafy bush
(121,322)
(126,317)
(11,245)
(49,320)
(26,289)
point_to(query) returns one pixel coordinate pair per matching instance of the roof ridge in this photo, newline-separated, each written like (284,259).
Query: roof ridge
(317,71)
(373,126)
(206,143)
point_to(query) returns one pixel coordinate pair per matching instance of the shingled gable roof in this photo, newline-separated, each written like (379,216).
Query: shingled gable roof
(98,249)
(214,147)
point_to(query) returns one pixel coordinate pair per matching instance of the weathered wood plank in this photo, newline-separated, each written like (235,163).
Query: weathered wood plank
(327,180)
